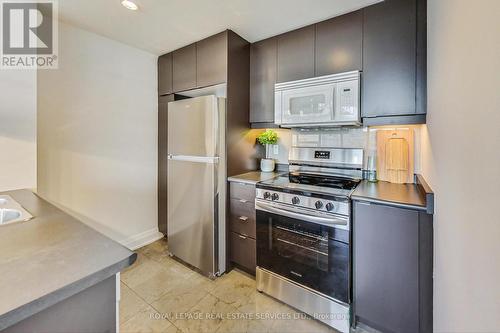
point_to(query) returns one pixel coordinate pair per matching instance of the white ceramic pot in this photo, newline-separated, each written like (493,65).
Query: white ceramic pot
(267,165)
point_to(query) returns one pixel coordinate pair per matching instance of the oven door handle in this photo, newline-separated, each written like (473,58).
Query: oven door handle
(329,221)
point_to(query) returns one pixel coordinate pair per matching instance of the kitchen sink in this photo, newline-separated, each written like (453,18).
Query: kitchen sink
(8,215)
(11,211)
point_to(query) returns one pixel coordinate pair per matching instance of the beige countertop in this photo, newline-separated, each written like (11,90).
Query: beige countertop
(50,258)
(254,177)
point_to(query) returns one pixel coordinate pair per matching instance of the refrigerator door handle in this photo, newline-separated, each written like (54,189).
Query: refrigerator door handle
(195,159)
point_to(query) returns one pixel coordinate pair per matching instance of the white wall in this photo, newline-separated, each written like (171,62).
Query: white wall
(462,162)
(17,129)
(97,135)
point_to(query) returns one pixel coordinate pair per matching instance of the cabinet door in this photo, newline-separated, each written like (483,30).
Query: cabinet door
(262,80)
(162,160)
(421,94)
(184,68)
(339,44)
(165,74)
(243,251)
(389,58)
(386,267)
(296,54)
(211,60)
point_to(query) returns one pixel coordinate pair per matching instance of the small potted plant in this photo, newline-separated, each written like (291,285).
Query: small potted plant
(267,139)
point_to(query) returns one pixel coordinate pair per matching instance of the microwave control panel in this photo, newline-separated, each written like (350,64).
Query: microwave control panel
(348,99)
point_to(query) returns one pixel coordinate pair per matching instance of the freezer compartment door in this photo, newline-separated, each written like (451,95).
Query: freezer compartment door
(193,127)
(192,211)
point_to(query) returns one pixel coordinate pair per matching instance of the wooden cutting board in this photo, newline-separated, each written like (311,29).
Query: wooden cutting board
(395,155)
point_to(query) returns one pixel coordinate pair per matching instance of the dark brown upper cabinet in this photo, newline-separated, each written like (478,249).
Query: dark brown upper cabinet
(339,43)
(184,68)
(389,84)
(296,54)
(421,95)
(165,74)
(262,80)
(211,60)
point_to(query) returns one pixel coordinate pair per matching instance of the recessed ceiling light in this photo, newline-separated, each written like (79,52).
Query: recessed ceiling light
(129,5)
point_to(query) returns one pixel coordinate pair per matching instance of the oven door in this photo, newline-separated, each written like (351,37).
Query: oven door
(309,105)
(311,254)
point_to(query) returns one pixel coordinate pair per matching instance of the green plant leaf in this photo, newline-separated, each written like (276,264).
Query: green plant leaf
(269,137)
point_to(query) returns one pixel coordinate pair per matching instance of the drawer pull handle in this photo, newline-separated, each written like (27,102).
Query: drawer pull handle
(243,201)
(243,218)
(296,274)
(242,237)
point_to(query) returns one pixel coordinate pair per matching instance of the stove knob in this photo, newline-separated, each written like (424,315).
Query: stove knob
(295,200)
(318,204)
(329,207)
(275,196)
(267,195)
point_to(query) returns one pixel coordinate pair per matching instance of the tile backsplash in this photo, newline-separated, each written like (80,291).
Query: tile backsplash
(342,137)
(333,137)
(280,153)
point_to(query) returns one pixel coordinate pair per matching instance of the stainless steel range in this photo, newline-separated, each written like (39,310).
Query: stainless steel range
(303,233)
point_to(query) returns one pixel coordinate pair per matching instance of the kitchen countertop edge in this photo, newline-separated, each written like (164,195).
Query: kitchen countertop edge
(392,203)
(23,312)
(44,212)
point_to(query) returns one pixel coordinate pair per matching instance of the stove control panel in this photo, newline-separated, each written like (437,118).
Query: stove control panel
(330,205)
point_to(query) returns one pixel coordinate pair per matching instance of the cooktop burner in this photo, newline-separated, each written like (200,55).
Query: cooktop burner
(295,182)
(321,180)
(319,172)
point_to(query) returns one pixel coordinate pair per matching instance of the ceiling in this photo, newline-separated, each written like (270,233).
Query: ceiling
(160,26)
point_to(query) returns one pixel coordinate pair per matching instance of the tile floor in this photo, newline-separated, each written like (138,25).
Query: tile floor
(158,294)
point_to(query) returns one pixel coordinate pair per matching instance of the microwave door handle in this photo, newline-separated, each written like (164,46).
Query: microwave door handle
(334,103)
(300,216)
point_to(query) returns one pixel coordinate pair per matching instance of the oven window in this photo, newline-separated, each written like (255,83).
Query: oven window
(302,247)
(308,105)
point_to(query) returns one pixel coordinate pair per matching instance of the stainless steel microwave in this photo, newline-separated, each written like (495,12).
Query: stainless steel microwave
(325,101)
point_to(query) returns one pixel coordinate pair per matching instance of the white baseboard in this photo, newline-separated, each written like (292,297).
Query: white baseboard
(142,239)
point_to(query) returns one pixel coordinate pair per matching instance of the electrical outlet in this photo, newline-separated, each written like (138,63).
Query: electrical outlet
(276,149)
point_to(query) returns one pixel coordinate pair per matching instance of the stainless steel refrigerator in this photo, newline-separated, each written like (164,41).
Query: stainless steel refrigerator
(196,183)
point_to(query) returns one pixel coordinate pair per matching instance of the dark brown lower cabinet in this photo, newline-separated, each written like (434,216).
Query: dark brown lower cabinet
(243,251)
(91,310)
(242,217)
(242,226)
(392,268)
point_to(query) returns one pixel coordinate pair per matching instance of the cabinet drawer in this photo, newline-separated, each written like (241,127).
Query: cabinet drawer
(242,217)
(242,191)
(243,251)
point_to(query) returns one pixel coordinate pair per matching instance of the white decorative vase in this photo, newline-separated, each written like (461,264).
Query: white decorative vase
(267,165)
